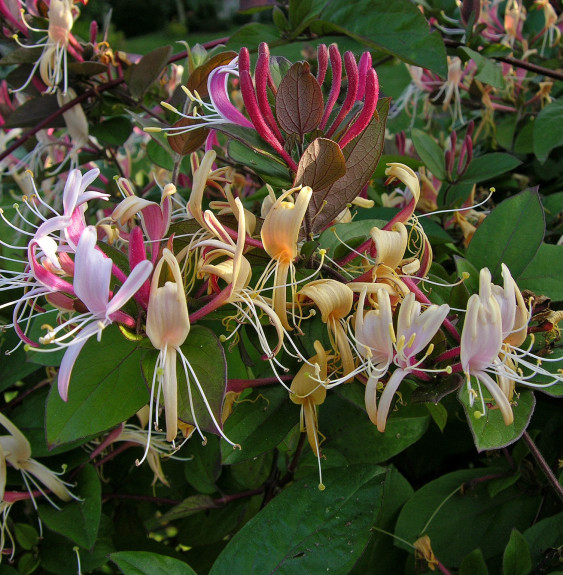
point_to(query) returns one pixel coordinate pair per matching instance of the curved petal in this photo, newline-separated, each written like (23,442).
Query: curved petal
(70,356)
(387,397)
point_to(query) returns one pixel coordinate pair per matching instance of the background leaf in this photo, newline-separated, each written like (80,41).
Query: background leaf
(146,563)
(309,519)
(548,130)
(543,275)
(516,559)
(147,70)
(512,234)
(489,166)
(469,519)
(397,28)
(430,153)
(78,520)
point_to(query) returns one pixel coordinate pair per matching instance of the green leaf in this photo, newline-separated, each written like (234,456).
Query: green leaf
(148,70)
(474,564)
(516,559)
(488,72)
(343,422)
(430,153)
(397,28)
(251,35)
(105,389)
(58,556)
(33,112)
(543,274)
(548,130)
(270,170)
(380,556)
(113,131)
(512,234)
(205,354)
(259,422)
(26,536)
(16,367)
(190,506)
(543,535)
(146,563)
(458,515)
(332,238)
(203,467)
(159,155)
(304,530)
(78,520)
(489,166)
(489,431)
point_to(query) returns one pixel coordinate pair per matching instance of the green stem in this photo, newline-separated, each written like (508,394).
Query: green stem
(557,487)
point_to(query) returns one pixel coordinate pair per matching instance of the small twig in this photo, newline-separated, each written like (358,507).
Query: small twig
(514,62)
(543,464)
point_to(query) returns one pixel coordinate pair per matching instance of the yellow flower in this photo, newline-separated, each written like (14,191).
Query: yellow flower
(334,300)
(308,391)
(168,325)
(280,234)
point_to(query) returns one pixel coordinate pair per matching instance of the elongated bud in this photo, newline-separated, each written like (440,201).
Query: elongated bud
(469,7)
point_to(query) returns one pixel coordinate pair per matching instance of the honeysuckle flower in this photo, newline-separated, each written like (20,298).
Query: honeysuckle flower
(373,333)
(16,451)
(92,276)
(155,218)
(481,342)
(375,337)
(280,234)
(408,177)
(76,124)
(236,271)
(53,61)
(168,326)
(334,300)
(50,243)
(308,392)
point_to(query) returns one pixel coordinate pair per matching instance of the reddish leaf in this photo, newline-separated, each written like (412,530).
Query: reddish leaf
(299,101)
(198,78)
(187,142)
(321,165)
(147,70)
(362,156)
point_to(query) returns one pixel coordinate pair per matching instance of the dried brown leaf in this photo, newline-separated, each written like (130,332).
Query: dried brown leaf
(362,155)
(187,142)
(321,165)
(198,78)
(299,101)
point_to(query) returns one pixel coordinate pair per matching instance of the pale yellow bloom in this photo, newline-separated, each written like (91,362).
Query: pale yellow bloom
(280,235)
(334,300)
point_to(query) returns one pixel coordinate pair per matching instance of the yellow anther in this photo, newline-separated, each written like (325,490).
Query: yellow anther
(449,369)
(430,349)
(392,333)
(478,414)
(169,107)
(412,340)
(401,344)
(152,129)
(321,487)
(465,276)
